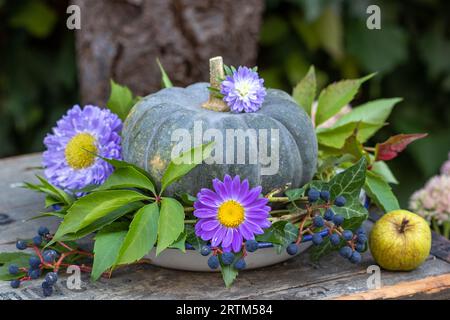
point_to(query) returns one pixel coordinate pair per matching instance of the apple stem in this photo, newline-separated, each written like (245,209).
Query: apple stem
(403,225)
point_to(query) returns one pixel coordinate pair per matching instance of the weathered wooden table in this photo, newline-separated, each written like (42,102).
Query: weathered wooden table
(298,278)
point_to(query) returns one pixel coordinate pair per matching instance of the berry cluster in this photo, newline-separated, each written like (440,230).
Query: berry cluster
(46,261)
(228,258)
(354,243)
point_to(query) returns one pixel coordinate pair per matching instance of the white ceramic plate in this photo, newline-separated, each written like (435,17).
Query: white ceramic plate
(265,256)
(192,260)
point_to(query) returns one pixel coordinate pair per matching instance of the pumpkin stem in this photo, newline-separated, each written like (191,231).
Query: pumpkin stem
(217,74)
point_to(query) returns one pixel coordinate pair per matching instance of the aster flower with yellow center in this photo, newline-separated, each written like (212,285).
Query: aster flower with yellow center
(70,160)
(231,213)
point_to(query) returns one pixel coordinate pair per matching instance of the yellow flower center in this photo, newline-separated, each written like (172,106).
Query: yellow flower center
(80,151)
(231,214)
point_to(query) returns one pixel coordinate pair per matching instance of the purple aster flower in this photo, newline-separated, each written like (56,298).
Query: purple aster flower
(231,213)
(243,91)
(70,161)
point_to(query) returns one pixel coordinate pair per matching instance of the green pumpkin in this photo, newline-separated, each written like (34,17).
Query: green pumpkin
(149,128)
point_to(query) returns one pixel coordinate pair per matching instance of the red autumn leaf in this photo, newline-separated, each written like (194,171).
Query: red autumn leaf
(390,149)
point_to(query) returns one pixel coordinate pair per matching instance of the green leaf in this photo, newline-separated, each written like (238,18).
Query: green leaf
(329,30)
(36,17)
(229,273)
(334,97)
(352,209)
(7,257)
(227,70)
(121,100)
(361,42)
(376,111)
(323,249)
(295,194)
(281,233)
(180,243)
(192,238)
(48,214)
(106,249)
(95,206)
(187,161)
(50,190)
(305,91)
(141,236)
(171,223)
(382,169)
(188,199)
(336,135)
(120,164)
(128,177)
(434,50)
(104,221)
(380,192)
(349,182)
(165,78)
(333,157)
(50,201)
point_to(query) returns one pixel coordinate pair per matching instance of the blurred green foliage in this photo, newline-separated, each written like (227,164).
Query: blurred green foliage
(411,54)
(37,72)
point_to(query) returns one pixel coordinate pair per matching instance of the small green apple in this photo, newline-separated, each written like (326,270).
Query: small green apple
(400,240)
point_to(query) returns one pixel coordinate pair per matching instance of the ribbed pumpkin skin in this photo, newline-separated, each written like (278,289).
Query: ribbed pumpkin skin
(148,129)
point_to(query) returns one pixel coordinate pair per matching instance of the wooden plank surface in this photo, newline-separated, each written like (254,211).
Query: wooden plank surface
(298,278)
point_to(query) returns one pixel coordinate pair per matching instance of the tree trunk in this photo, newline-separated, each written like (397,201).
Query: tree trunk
(121,39)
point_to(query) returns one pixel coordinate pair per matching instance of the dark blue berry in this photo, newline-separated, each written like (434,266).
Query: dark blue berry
(213,262)
(240,264)
(51,278)
(347,235)
(329,214)
(360,230)
(325,195)
(292,249)
(15,283)
(43,231)
(318,222)
(313,195)
(34,273)
(21,245)
(317,239)
(346,252)
(37,241)
(340,201)
(227,258)
(362,238)
(251,245)
(47,291)
(35,262)
(205,251)
(46,284)
(338,219)
(355,257)
(335,239)
(13,269)
(360,247)
(49,256)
